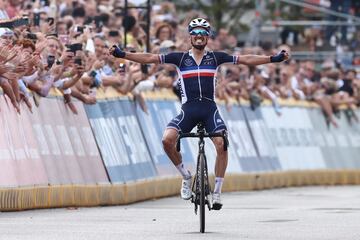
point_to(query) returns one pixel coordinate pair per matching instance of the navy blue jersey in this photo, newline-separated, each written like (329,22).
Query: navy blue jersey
(197,82)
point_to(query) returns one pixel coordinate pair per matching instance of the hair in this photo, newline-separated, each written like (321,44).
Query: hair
(165,25)
(79,12)
(61,46)
(351,70)
(128,23)
(27,43)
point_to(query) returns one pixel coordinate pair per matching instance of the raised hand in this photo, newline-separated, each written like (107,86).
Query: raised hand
(117,52)
(5,68)
(40,46)
(281,56)
(66,57)
(56,71)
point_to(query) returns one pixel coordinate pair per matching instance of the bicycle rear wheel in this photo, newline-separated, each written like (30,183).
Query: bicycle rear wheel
(202,193)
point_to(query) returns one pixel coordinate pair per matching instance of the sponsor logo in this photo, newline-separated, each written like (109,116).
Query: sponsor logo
(188,62)
(209,62)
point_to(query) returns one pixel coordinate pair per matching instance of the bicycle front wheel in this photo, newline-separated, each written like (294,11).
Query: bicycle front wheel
(202,193)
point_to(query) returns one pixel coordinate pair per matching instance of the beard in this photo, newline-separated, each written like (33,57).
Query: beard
(199,47)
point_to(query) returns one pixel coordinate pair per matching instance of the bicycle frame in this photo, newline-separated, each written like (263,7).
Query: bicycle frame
(201,187)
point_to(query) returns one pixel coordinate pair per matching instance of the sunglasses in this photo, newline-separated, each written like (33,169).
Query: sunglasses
(201,32)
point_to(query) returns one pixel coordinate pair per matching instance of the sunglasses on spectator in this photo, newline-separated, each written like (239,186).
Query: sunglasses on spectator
(201,32)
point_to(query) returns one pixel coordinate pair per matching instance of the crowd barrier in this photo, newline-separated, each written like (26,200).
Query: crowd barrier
(111,152)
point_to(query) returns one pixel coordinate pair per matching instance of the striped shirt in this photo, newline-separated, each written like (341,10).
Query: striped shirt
(197,82)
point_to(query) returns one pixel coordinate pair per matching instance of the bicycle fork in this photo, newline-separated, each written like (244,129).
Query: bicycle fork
(196,183)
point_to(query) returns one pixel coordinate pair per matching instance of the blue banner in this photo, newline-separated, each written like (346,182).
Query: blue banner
(153,126)
(265,149)
(119,137)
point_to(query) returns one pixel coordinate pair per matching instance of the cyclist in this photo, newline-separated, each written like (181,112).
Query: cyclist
(196,69)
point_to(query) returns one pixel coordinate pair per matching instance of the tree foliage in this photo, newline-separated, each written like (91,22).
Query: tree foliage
(222,13)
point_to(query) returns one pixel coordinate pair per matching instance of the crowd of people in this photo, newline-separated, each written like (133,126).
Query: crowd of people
(64,44)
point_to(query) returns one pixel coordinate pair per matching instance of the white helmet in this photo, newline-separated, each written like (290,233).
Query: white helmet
(199,22)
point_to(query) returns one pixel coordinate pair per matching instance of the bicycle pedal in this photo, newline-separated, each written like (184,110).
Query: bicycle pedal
(217,206)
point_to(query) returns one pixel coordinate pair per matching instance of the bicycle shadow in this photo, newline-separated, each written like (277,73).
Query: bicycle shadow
(202,233)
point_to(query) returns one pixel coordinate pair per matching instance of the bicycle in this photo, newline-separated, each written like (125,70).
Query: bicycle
(201,188)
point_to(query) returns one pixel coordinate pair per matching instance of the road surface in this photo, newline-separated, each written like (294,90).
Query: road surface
(323,213)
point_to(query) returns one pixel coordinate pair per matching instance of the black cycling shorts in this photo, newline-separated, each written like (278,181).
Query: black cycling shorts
(197,111)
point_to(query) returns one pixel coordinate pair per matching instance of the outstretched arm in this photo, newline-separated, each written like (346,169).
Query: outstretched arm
(142,58)
(254,60)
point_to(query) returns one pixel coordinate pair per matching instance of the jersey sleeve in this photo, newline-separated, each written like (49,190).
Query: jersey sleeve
(222,57)
(171,58)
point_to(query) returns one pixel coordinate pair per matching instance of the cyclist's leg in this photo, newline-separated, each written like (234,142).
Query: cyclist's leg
(169,145)
(184,123)
(215,123)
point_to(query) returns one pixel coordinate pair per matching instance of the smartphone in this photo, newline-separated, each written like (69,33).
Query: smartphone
(21,22)
(80,29)
(31,36)
(92,73)
(98,21)
(145,68)
(122,68)
(50,61)
(76,47)
(36,19)
(7,24)
(114,34)
(78,61)
(50,20)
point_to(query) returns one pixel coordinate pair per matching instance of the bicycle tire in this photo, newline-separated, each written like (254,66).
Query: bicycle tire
(202,193)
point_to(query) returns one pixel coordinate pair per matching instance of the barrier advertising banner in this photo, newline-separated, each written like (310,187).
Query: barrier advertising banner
(337,143)
(47,146)
(120,140)
(292,133)
(264,146)
(153,126)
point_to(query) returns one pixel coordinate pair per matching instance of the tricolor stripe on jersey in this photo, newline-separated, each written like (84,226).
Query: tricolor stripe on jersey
(197,81)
